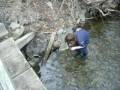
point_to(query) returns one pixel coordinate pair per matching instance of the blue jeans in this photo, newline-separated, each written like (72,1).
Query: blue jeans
(82,52)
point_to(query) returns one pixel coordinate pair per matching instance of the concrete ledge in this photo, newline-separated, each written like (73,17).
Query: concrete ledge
(18,69)
(5,82)
(12,58)
(28,81)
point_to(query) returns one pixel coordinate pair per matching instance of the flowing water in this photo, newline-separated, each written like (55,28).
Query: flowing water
(100,71)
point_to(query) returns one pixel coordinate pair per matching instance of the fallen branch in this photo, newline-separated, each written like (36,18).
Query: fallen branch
(48,50)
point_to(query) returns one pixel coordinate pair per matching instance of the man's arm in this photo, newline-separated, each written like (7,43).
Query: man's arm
(76,47)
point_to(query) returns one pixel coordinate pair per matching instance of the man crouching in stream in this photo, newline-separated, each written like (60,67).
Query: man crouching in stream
(78,40)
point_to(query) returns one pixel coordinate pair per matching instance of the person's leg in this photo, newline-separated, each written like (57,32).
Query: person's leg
(84,53)
(80,54)
(80,58)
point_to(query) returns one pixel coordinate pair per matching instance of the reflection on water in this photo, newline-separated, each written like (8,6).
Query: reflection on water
(101,71)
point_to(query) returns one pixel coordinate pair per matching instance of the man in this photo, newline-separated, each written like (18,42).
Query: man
(78,41)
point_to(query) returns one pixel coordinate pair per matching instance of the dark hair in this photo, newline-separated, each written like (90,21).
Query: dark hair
(69,37)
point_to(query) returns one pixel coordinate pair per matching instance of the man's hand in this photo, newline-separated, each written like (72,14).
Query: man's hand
(76,47)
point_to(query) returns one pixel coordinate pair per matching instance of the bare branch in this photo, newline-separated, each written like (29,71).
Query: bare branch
(103,14)
(61,6)
(112,10)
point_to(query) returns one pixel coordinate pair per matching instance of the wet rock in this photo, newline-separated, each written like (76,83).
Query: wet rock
(16,30)
(56,44)
(36,48)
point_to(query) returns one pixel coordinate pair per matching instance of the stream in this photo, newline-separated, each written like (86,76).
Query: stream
(100,71)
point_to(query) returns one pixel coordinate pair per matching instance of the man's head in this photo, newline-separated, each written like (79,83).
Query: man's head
(70,39)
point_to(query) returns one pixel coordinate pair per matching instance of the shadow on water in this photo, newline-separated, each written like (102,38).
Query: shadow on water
(101,71)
